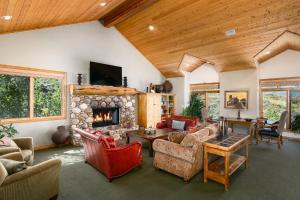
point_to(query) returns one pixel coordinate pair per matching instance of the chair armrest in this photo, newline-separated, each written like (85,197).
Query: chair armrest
(6,150)
(192,129)
(134,148)
(161,125)
(24,142)
(42,172)
(174,150)
(17,156)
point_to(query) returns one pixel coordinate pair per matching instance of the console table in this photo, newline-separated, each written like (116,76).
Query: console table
(249,124)
(221,169)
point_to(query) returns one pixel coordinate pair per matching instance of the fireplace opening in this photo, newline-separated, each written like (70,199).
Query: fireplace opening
(105,117)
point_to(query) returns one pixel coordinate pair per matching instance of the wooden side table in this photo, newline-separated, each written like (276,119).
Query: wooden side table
(159,134)
(221,169)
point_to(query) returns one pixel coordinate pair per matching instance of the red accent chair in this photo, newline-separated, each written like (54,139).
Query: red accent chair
(113,161)
(190,123)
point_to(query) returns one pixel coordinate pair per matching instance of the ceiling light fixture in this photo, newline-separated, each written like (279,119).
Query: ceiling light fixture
(230,32)
(103,4)
(151,27)
(6,17)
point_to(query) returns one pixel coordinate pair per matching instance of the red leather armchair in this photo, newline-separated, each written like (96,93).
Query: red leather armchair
(110,160)
(190,123)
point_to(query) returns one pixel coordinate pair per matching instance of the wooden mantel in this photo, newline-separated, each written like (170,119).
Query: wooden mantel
(101,90)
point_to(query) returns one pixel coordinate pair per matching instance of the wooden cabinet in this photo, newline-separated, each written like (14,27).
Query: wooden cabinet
(149,109)
(152,108)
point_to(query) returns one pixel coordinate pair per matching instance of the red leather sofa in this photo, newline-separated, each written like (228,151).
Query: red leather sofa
(190,123)
(113,161)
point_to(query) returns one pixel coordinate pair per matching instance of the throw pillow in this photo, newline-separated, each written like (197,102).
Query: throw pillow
(5,141)
(178,125)
(188,140)
(13,166)
(176,137)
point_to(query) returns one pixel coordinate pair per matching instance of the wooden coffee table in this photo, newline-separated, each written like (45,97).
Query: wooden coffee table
(159,134)
(221,169)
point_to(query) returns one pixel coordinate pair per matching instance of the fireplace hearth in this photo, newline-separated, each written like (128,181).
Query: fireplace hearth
(105,117)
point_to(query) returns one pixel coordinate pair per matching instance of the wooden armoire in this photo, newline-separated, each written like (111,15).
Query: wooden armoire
(149,109)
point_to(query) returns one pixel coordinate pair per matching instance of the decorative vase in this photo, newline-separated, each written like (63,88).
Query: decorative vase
(125,83)
(79,79)
(61,136)
(159,88)
(167,85)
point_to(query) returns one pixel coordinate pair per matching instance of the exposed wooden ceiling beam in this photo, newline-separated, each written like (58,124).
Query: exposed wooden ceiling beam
(125,10)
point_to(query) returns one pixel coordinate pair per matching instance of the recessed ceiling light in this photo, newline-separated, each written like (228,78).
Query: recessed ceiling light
(230,32)
(268,52)
(103,4)
(151,27)
(6,17)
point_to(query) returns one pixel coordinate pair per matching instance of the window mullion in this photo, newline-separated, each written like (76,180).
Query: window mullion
(31,97)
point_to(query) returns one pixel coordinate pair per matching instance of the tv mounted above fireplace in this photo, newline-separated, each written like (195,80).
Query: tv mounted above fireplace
(103,74)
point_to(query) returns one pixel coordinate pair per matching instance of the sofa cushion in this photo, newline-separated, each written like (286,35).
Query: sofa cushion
(26,154)
(13,166)
(3,173)
(213,129)
(176,136)
(193,138)
(108,141)
(178,125)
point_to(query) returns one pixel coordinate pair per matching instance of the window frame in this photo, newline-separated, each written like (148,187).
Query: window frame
(37,73)
(277,87)
(205,88)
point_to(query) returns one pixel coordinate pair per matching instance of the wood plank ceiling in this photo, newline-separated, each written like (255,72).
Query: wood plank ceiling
(33,14)
(197,27)
(186,33)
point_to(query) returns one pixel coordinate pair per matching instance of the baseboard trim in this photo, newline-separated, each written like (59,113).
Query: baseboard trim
(50,146)
(291,139)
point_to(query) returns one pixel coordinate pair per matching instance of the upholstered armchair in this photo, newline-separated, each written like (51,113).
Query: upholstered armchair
(185,159)
(24,145)
(273,131)
(38,182)
(113,161)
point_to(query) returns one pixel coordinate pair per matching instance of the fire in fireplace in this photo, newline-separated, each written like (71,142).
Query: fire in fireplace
(105,116)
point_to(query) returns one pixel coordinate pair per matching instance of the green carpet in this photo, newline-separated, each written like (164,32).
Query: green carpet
(272,174)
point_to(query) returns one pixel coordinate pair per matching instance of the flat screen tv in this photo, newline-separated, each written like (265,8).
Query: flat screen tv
(103,74)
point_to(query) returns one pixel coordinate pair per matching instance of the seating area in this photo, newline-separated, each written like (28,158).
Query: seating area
(152,99)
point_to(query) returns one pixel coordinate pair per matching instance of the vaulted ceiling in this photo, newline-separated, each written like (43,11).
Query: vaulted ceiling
(186,33)
(197,27)
(33,14)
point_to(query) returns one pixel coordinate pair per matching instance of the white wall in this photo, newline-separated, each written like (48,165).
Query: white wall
(178,89)
(204,74)
(71,48)
(286,64)
(240,80)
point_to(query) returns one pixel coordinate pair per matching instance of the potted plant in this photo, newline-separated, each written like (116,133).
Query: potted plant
(195,107)
(296,124)
(7,130)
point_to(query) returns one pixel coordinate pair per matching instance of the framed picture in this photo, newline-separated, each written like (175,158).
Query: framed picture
(236,99)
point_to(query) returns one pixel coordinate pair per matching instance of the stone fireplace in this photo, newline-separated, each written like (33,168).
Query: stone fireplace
(105,112)
(105,116)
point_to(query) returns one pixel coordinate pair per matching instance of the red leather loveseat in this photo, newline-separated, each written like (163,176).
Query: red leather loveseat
(190,123)
(102,153)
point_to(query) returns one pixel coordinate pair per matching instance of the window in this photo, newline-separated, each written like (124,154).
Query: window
(28,94)
(278,95)
(209,94)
